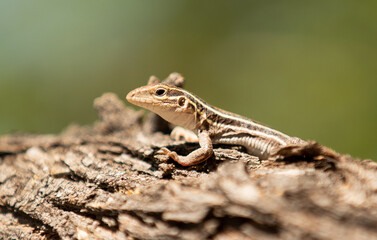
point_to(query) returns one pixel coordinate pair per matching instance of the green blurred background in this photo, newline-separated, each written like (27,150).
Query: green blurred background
(307,68)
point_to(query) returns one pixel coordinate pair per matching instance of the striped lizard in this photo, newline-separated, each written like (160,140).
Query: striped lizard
(210,124)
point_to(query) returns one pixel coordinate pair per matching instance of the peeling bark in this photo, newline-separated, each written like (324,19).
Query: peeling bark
(105,181)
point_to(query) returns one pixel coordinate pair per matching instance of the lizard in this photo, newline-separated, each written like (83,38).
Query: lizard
(211,125)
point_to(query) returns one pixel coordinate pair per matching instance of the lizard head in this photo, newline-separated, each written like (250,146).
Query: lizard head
(170,102)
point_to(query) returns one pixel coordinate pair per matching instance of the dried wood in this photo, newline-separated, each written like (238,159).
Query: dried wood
(105,181)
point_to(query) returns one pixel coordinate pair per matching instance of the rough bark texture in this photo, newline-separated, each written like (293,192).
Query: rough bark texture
(106,181)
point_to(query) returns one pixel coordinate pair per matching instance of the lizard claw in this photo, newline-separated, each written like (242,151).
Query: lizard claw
(167,152)
(163,151)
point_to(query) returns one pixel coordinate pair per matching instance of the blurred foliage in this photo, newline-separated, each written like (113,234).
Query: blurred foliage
(307,68)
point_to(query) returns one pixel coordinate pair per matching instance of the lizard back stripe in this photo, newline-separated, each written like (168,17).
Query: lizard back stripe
(235,121)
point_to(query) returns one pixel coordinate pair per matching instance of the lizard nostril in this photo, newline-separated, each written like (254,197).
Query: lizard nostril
(130,95)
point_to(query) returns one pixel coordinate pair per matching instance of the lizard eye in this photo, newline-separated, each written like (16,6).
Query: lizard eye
(160,92)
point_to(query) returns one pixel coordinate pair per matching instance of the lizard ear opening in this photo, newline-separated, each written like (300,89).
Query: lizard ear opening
(153,80)
(181,101)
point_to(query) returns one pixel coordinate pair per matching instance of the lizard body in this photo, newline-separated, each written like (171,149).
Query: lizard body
(211,124)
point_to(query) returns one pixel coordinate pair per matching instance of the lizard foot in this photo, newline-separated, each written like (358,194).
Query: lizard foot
(167,152)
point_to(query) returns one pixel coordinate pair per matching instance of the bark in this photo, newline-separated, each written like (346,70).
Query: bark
(106,181)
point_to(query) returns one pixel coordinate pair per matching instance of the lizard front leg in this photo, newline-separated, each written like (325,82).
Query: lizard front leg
(195,157)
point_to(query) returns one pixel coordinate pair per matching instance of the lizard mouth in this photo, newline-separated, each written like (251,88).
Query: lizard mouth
(135,98)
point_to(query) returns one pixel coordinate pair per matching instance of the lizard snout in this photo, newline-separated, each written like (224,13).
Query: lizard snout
(131,96)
